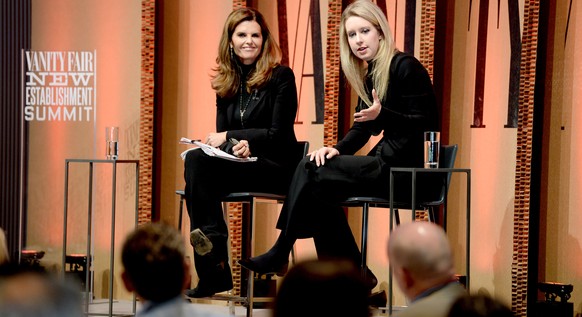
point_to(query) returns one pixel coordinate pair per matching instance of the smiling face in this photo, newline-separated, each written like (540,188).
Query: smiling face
(363,37)
(247,41)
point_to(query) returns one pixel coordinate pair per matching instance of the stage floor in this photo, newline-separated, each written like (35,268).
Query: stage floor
(124,308)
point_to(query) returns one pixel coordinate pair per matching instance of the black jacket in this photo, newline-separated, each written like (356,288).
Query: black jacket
(269,119)
(408,110)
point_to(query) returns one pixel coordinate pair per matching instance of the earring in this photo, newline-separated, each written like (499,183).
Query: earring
(231,53)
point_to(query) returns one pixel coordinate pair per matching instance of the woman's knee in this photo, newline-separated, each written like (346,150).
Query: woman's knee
(193,158)
(306,163)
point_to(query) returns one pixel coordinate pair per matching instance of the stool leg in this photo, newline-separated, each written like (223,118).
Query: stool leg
(180,213)
(397,216)
(393,214)
(250,293)
(364,239)
(251,277)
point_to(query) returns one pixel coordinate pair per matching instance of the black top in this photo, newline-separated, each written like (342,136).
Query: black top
(268,120)
(408,109)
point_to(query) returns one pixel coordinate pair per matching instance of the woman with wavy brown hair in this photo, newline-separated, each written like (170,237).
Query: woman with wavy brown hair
(256,106)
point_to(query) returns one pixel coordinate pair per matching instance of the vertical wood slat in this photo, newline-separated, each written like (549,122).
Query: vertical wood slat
(332,75)
(235,218)
(146,115)
(519,265)
(15,36)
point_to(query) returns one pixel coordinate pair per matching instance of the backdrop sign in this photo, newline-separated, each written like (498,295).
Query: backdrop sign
(59,85)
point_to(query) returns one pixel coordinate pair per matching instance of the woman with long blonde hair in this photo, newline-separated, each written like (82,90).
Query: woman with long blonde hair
(396,97)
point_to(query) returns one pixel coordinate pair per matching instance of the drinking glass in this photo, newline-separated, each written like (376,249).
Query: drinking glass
(111,143)
(432,143)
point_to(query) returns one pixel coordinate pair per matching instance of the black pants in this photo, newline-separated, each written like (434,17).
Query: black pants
(208,179)
(312,206)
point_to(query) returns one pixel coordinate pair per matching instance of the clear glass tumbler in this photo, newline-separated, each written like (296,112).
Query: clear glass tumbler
(111,143)
(432,143)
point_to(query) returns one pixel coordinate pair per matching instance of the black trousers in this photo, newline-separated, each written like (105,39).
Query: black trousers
(208,179)
(312,208)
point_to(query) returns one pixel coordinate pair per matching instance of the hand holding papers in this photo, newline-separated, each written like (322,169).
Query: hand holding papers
(212,151)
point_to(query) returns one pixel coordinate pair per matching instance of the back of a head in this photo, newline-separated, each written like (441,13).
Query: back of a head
(33,293)
(423,249)
(322,288)
(153,257)
(479,306)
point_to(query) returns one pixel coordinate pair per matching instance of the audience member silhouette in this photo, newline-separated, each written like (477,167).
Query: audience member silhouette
(29,292)
(421,258)
(156,269)
(323,287)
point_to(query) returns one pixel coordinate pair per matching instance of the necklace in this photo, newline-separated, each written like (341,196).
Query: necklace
(243,106)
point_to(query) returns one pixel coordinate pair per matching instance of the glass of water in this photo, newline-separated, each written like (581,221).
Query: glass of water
(432,143)
(111,141)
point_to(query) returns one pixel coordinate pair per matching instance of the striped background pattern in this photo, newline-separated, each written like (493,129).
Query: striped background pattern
(519,265)
(146,116)
(234,211)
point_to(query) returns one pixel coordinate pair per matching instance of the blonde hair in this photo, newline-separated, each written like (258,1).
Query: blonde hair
(226,79)
(355,68)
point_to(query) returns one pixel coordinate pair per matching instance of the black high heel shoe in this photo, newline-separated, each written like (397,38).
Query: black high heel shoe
(265,264)
(371,279)
(378,299)
(215,281)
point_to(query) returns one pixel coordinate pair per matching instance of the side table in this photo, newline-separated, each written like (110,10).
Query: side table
(91,164)
(414,171)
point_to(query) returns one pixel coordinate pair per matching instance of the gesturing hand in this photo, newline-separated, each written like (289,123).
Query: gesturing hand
(370,113)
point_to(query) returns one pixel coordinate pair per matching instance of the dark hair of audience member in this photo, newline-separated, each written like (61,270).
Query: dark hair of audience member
(324,287)
(479,305)
(153,257)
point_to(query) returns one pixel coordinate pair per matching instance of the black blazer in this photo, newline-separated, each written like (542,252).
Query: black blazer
(408,110)
(269,120)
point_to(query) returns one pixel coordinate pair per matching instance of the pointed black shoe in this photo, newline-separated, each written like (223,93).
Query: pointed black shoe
(200,292)
(217,282)
(207,288)
(378,299)
(371,279)
(265,264)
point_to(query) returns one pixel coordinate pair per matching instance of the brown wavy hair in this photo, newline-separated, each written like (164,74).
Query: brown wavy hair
(227,77)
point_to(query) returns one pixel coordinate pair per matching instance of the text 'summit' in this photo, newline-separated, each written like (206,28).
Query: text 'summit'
(59,85)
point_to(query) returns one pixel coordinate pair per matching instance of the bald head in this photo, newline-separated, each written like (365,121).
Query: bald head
(420,255)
